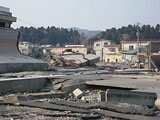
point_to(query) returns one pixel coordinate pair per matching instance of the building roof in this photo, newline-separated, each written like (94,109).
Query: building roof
(102,40)
(4,9)
(142,41)
(112,46)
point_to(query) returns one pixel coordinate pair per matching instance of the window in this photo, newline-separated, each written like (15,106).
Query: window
(2,24)
(112,50)
(131,47)
(116,60)
(97,45)
(68,50)
(105,43)
(108,60)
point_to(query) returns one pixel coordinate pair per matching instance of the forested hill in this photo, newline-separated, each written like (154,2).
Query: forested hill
(128,33)
(53,35)
(50,35)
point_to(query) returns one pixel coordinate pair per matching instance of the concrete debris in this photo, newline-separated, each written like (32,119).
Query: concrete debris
(72,60)
(102,96)
(6,119)
(81,60)
(78,93)
(58,86)
(157,103)
(84,96)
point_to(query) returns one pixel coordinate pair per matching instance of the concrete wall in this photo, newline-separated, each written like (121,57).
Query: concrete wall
(12,85)
(131,97)
(10,58)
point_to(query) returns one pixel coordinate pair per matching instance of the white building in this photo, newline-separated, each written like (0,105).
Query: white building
(99,47)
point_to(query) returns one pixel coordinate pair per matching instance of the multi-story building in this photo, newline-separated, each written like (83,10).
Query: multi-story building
(108,51)
(131,48)
(99,47)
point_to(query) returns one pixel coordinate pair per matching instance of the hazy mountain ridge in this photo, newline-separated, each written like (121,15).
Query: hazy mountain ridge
(88,33)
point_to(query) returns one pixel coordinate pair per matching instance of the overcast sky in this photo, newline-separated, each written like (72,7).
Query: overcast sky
(87,14)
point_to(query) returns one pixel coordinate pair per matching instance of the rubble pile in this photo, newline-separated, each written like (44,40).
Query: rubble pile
(83,97)
(74,61)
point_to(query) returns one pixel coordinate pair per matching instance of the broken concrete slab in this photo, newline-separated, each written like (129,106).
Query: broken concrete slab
(37,96)
(117,107)
(121,116)
(78,93)
(157,103)
(58,86)
(6,119)
(126,83)
(70,88)
(45,105)
(131,97)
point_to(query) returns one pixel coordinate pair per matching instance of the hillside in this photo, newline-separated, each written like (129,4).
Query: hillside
(87,33)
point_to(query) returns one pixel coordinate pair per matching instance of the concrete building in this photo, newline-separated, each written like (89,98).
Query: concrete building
(99,48)
(151,56)
(112,53)
(132,45)
(130,49)
(25,48)
(10,58)
(68,50)
(148,53)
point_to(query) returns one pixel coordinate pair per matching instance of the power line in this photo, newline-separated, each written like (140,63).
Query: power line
(28,23)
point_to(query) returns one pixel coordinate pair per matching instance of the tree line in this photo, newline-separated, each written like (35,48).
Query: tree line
(128,33)
(62,36)
(50,35)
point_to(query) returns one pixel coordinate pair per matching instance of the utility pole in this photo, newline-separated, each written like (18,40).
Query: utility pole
(138,34)
(138,38)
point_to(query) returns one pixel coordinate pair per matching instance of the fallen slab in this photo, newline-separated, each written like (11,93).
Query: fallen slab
(131,97)
(46,105)
(125,82)
(121,116)
(44,95)
(120,107)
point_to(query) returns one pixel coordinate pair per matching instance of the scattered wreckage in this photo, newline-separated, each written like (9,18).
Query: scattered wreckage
(84,97)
